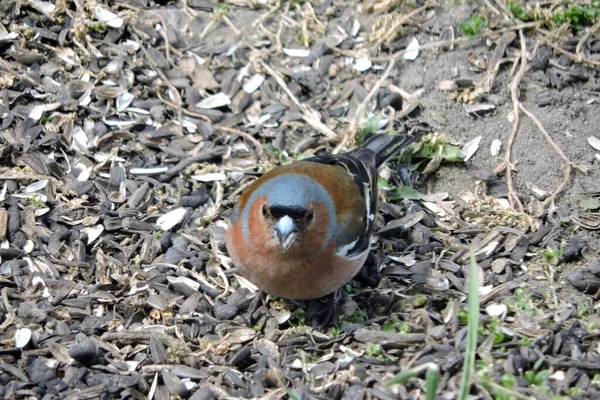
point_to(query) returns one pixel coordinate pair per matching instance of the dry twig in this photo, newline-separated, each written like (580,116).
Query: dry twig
(311,116)
(558,150)
(232,25)
(204,155)
(248,137)
(5,64)
(573,57)
(362,105)
(588,33)
(267,14)
(165,34)
(485,85)
(183,110)
(465,39)
(514,94)
(392,31)
(411,100)
(491,7)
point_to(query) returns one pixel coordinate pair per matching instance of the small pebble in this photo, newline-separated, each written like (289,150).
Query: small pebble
(39,372)
(85,352)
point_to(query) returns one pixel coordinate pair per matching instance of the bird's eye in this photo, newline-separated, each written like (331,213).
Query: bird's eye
(264,210)
(310,215)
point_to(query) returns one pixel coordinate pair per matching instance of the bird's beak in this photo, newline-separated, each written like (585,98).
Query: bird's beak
(285,232)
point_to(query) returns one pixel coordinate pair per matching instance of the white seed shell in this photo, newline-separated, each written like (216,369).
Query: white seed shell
(36,112)
(36,186)
(362,64)
(93,232)
(170,219)
(495,148)
(412,50)
(111,19)
(215,101)
(301,53)
(253,83)
(148,171)
(44,7)
(210,177)
(5,35)
(124,100)
(594,142)
(355,28)
(496,310)
(470,148)
(80,141)
(22,337)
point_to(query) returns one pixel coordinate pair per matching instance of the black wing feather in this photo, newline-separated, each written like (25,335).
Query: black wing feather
(362,164)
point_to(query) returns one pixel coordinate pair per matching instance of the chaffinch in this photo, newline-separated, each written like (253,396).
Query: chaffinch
(301,231)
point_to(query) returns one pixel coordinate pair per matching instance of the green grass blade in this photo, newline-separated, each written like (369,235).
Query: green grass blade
(473,323)
(432,378)
(403,377)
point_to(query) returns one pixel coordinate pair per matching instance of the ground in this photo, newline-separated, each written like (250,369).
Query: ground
(129,130)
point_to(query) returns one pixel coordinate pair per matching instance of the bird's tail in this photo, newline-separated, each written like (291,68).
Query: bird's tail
(386,146)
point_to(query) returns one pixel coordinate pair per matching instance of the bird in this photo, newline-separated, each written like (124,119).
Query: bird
(303,230)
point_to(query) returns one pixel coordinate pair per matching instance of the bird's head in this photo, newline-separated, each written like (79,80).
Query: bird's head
(291,212)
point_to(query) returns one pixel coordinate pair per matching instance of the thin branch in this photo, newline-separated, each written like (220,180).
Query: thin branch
(183,110)
(465,39)
(165,34)
(558,150)
(588,33)
(232,26)
(399,23)
(485,85)
(491,7)
(501,5)
(574,57)
(311,116)
(411,101)
(204,155)
(267,14)
(281,83)
(4,64)
(249,137)
(362,105)
(514,94)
